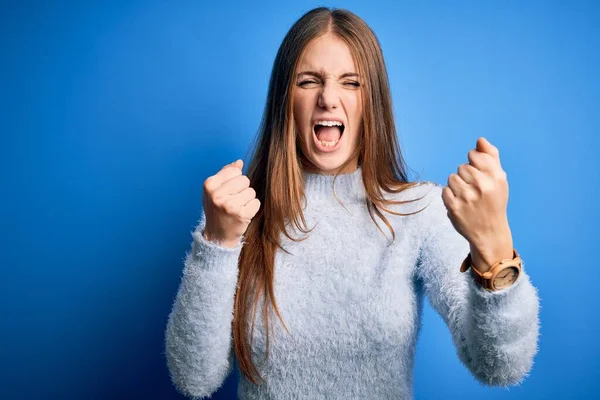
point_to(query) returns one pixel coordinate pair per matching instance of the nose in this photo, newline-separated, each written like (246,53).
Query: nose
(328,97)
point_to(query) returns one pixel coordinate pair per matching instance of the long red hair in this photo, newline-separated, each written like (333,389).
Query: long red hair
(275,169)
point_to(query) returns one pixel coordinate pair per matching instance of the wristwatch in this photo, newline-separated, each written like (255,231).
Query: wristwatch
(502,274)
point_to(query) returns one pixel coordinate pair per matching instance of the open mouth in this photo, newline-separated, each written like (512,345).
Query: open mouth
(328,134)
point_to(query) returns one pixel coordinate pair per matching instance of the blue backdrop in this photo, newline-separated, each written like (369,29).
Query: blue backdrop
(113,115)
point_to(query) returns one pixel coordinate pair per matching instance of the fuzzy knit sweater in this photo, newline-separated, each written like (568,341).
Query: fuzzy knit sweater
(352,300)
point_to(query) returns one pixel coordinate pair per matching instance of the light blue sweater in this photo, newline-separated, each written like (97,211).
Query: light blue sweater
(352,304)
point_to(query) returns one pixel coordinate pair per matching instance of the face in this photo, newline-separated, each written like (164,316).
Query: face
(327,94)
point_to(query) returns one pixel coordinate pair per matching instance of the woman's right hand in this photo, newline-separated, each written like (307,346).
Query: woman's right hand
(229,205)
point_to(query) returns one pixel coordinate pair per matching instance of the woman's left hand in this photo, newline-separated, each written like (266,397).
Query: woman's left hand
(477,197)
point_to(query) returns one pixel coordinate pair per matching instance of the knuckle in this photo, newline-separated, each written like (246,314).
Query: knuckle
(486,187)
(472,195)
(237,172)
(229,208)
(217,197)
(217,201)
(209,183)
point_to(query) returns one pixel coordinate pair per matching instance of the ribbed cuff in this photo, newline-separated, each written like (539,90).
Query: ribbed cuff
(211,255)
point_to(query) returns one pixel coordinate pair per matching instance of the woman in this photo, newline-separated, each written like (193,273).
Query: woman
(300,241)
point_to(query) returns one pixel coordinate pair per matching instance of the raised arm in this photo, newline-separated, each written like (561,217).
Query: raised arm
(198,338)
(495,333)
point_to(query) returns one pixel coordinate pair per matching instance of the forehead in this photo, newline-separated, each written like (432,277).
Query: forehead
(327,54)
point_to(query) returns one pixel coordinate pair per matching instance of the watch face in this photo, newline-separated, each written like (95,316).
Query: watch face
(506,277)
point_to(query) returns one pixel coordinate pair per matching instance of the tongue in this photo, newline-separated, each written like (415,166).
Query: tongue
(328,133)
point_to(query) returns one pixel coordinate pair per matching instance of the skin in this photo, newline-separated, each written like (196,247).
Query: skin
(476,199)
(327,86)
(324,90)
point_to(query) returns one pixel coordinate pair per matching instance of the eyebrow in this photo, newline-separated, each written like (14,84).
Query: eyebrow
(320,75)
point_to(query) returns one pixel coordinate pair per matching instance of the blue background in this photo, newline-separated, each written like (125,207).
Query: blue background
(113,115)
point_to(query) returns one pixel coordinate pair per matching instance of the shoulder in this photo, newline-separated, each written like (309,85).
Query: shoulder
(420,195)
(420,206)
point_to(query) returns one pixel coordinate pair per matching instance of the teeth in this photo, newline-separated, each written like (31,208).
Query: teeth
(328,123)
(328,144)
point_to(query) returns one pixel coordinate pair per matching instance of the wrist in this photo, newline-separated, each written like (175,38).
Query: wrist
(487,252)
(221,242)
(503,273)
(483,260)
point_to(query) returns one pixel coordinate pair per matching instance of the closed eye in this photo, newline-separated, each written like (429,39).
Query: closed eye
(311,82)
(304,83)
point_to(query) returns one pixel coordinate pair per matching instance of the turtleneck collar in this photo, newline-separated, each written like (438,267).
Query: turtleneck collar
(348,186)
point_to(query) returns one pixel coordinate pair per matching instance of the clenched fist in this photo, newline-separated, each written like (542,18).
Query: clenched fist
(229,205)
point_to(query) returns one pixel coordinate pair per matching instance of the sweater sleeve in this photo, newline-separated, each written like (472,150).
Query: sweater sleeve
(495,333)
(198,337)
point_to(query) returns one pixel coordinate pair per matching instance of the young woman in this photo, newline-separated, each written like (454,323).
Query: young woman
(327,236)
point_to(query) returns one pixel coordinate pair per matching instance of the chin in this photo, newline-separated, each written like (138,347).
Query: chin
(328,167)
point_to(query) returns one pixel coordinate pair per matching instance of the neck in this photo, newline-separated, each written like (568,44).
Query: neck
(348,185)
